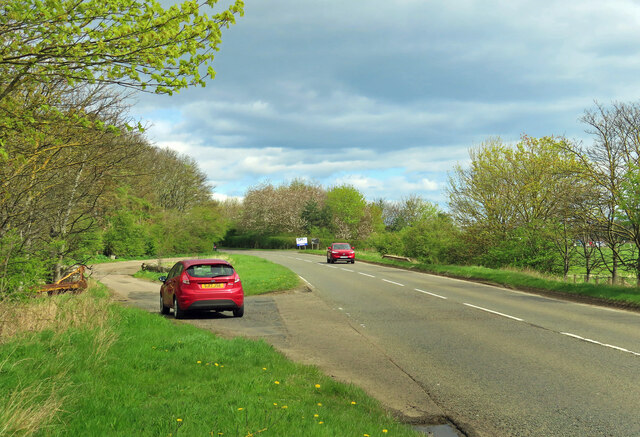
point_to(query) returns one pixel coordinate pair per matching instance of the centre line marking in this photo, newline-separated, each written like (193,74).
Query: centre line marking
(430,294)
(391,282)
(366,274)
(307,261)
(494,312)
(347,270)
(601,344)
(331,267)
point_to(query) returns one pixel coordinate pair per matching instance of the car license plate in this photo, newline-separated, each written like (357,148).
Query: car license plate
(219,285)
(344,257)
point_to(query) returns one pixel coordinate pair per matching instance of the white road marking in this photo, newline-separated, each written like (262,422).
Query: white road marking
(331,267)
(601,344)
(430,294)
(391,282)
(493,312)
(307,261)
(346,270)
(304,280)
(299,259)
(366,274)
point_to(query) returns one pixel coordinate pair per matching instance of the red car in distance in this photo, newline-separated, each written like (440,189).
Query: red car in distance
(200,285)
(340,252)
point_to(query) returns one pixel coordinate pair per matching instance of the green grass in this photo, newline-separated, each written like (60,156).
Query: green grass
(258,275)
(511,278)
(101,369)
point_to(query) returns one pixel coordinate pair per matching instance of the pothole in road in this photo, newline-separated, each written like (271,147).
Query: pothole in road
(438,430)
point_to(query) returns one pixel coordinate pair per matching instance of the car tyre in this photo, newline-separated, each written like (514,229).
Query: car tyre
(353,261)
(163,309)
(178,313)
(239,312)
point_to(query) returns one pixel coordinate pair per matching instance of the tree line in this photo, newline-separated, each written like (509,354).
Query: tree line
(547,204)
(77,175)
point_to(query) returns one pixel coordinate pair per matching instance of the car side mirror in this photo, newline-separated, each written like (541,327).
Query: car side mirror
(328,248)
(353,248)
(162,279)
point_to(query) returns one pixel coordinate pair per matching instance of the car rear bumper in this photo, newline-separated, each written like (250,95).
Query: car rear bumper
(211,300)
(215,304)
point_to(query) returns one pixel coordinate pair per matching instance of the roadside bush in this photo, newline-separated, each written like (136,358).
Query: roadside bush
(387,243)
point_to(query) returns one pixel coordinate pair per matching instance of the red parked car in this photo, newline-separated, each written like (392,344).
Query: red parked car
(341,252)
(201,284)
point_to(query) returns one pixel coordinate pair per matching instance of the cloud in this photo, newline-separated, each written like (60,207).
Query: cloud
(389,96)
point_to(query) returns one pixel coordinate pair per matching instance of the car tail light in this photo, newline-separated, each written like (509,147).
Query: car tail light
(185,279)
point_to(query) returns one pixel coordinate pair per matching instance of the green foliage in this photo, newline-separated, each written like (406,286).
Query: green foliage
(347,205)
(132,43)
(254,240)
(525,247)
(386,243)
(315,218)
(192,231)
(126,236)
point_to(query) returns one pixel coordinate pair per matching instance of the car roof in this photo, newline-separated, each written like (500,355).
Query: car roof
(190,262)
(338,243)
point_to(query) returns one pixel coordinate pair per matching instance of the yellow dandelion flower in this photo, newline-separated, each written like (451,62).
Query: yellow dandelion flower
(315,415)
(284,407)
(216,364)
(199,362)
(264,368)
(319,404)
(385,431)
(353,402)
(275,403)
(221,365)
(317,385)
(366,435)
(178,420)
(276,382)
(320,423)
(240,409)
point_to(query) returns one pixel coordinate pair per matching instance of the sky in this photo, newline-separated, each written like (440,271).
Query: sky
(389,95)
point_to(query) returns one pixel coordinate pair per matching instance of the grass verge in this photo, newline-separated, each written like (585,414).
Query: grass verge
(258,275)
(98,368)
(620,295)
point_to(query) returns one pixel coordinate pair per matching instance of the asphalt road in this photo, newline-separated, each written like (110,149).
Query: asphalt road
(493,361)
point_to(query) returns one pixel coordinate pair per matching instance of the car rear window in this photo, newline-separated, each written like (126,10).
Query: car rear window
(209,270)
(342,246)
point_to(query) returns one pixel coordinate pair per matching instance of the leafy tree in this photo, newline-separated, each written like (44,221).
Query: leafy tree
(610,164)
(515,192)
(348,207)
(136,44)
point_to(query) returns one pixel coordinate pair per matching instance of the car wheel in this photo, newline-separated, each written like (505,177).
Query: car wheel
(177,312)
(353,261)
(163,309)
(239,312)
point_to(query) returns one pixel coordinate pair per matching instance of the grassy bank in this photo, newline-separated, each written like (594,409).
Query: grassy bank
(82,365)
(257,274)
(511,279)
